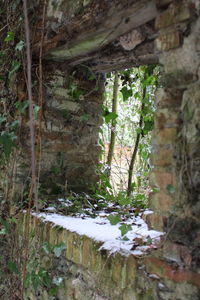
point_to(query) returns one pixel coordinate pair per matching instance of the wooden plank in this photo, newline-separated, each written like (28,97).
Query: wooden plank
(116,23)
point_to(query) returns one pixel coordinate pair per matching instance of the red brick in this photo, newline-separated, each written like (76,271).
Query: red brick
(165,270)
(176,252)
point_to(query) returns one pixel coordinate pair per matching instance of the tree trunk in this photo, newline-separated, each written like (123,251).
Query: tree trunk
(113,125)
(133,158)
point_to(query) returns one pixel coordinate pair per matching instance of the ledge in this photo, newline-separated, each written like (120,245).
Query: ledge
(94,268)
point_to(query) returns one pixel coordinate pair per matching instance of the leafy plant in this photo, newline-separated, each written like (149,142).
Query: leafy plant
(9,37)
(124,228)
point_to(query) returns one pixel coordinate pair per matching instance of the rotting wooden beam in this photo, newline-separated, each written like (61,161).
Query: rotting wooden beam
(141,60)
(113,58)
(115,24)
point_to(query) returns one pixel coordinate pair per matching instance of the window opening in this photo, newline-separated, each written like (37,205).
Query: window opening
(124,173)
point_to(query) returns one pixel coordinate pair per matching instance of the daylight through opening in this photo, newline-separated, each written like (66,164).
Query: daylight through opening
(126,134)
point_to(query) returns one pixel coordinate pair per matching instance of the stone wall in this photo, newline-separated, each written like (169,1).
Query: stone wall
(176,134)
(69,128)
(89,273)
(69,153)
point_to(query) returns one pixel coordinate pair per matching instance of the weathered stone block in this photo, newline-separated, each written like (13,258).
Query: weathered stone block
(168,40)
(165,136)
(178,253)
(177,12)
(168,271)
(131,270)
(162,179)
(86,254)
(162,157)
(163,3)
(168,98)
(166,118)
(179,78)
(161,201)
(155,221)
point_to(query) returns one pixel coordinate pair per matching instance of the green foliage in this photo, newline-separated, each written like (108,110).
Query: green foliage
(22,106)
(84,118)
(6,226)
(12,267)
(110,117)
(114,219)
(20,46)
(14,68)
(9,37)
(124,228)
(7,140)
(58,249)
(38,276)
(170,189)
(74,91)
(137,87)
(126,92)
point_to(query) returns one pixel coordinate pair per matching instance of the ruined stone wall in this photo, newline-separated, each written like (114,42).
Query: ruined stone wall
(69,151)
(89,273)
(176,139)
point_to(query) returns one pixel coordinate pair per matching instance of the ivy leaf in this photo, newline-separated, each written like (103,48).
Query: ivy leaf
(19,46)
(110,117)
(36,110)
(148,126)
(9,37)
(52,291)
(7,142)
(35,280)
(46,248)
(57,250)
(140,197)
(57,280)
(12,267)
(3,231)
(14,67)
(137,95)
(22,105)
(5,224)
(144,154)
(2,119)
(84,118)
(138,130)
(170,189)
(114,219)
(124,201)
(124,228)
(126,93)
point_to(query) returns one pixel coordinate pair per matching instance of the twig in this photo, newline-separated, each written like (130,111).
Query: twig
(40,95)
(30,96)
(32,138)
(3,27)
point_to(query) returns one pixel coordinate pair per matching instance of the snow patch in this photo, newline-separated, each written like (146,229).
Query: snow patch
(101,230)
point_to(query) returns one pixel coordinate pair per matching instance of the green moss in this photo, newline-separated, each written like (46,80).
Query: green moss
(80,48)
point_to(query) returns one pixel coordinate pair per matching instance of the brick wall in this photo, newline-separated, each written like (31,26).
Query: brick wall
(69,133)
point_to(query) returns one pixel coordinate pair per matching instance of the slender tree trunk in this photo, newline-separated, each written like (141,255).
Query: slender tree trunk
(133,158)
(113,125)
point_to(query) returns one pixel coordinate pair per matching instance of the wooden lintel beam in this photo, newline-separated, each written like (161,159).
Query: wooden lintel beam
(115,24)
